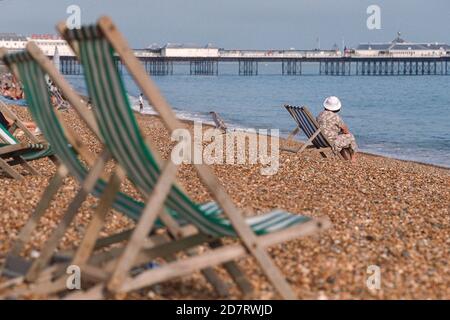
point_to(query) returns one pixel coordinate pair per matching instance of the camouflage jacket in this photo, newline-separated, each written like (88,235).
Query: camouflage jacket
(330,123)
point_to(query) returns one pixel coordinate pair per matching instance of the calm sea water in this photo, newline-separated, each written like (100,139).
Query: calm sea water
(405,117)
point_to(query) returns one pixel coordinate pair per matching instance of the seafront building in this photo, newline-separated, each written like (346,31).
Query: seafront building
(47,43)
(398,57)
(397,48)
(401,48)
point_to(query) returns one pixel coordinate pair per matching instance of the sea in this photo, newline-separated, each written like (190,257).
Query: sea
(403,117)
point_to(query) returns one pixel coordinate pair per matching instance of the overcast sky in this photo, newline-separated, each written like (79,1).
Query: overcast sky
(252,24)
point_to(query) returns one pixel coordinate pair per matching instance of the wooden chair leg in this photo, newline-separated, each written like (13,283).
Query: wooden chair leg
(184,267)
(9,170)
(115,238)
(88,243)
(209,273)
(309,141)
(162,248)
(304,145)
(26,165)
(58,233)
(245,233)
(272,272)
(293,133)
(218,256)
(85,250)
(290,138)
(235,272)
(153,207)
(27,230)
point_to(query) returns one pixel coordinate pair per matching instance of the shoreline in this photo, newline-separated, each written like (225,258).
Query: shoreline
(282,138)
(191,121)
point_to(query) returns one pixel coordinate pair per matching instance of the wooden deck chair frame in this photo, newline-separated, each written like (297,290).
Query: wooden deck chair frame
(33,271)
(176,231)
(91,240)
(18,124)
(308,144)
(120,281)
(15,154)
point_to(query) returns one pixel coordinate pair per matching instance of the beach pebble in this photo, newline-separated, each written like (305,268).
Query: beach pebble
(390,213)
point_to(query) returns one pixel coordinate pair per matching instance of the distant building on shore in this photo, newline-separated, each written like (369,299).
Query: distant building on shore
(49,44)
(398,48)
(402,49)
(12,41)
(180,50)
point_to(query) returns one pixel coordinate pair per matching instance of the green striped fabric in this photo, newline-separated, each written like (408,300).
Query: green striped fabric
(122,137)
(6,136)
(47,151)
(35,150)
(43,113)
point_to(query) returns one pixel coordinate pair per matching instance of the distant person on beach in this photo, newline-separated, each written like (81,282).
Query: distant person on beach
(141,103)
(13,92)
(7,92)
(336,131)
(16,92)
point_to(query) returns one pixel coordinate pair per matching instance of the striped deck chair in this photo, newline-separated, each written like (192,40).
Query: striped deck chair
(308,124)
(13,152)
(96,46)
(18,124)
(30,69)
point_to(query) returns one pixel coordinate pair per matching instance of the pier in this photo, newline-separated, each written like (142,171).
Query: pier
(396,58)
(289,66)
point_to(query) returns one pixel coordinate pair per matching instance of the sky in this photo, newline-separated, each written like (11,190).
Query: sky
(243,24)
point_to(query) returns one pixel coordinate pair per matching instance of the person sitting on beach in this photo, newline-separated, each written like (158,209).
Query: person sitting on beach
(13,92)
(335,130)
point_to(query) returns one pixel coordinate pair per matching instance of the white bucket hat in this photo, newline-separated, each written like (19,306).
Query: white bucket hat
(332,103)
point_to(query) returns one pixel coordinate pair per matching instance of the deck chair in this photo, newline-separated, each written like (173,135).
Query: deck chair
(13,152)
(18,124)
(96,47)
(308,124)
(30,69)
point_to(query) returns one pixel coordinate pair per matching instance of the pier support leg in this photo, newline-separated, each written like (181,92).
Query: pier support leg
(248,67)
(291,67)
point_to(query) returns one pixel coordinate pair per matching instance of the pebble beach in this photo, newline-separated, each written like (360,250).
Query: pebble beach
(389,213)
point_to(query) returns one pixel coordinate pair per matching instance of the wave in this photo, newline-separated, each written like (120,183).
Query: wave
(203,117)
